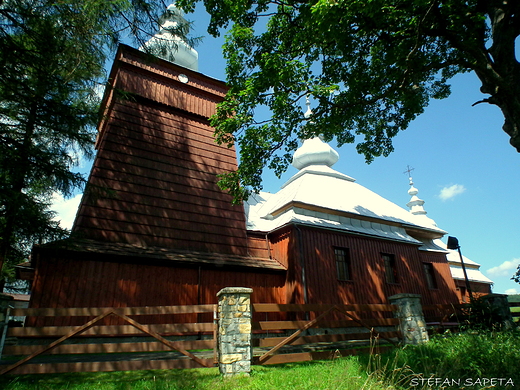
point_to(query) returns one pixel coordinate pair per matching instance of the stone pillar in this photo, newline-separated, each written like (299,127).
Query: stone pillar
(500,307)
(234,331)
(411,318)
(5,302)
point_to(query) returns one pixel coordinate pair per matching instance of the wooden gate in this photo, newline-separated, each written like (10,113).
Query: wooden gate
(111,339)
(316,332)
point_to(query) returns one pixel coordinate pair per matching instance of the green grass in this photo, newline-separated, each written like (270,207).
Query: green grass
(345,373)
(464,357)
(452,356)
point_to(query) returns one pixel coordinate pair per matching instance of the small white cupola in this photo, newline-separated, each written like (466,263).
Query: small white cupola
(415,204)
(314,151)
(169,46)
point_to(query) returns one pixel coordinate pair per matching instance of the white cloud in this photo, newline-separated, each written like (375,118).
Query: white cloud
(66,209)
(507,268)
(451,191)
(511,291)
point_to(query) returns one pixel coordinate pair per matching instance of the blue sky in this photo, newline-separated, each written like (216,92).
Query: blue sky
(464,168)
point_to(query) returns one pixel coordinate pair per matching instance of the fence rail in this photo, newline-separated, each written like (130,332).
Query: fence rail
(127,338)
(515,313)
(128,311)
(441,317)
(320,337)
(131,345)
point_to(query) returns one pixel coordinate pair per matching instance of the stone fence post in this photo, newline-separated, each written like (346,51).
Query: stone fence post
(411,318)
(234,331)
(500,305)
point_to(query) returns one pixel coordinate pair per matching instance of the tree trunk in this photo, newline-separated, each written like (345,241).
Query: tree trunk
(18,184)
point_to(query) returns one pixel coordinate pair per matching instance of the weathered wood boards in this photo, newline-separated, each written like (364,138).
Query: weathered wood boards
(126,349)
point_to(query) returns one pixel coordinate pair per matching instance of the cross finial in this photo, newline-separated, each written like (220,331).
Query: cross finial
(409,170)
(308,113)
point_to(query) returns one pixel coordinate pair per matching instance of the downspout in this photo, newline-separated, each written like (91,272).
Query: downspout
(302,264)
(267,244)
(199,293)
(198,286)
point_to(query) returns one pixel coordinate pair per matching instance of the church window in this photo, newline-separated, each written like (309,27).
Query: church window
(343,263)
(430,275)
(390,268)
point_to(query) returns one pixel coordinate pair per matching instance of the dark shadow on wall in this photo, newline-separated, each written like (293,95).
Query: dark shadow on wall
(155,175)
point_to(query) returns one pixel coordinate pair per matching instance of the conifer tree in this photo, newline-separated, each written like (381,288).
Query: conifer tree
(52,58)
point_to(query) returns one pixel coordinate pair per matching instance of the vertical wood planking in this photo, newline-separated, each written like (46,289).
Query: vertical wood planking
(158,158)
(368,283)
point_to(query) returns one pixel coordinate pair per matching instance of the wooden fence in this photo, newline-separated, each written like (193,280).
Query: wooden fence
(315,332)
(96,346)
(515,311)
(117,339)
(441,317)
(450,316)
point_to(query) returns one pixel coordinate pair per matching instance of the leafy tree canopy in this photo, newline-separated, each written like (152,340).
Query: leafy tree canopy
(516,276)
(52,58)
(371,67)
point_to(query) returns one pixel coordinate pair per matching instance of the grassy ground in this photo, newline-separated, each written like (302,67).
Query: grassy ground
(456,361)
(346,373)
(465,360)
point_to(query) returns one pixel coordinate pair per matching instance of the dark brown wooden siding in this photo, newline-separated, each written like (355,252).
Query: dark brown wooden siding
(446,291)
(154,179)
(258,245)
(478,289)
(284,245)
(65,281)
(368,284)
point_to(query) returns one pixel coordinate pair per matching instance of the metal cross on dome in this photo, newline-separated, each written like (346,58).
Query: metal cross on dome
(409,170)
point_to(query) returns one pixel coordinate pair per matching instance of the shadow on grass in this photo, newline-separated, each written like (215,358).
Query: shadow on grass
(119,380)
(454,356)
(344,373)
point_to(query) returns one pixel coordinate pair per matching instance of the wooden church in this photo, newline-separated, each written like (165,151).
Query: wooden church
(153,227)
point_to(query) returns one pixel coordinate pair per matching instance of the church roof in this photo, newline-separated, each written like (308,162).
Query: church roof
(474,274)
(321,196)
(161,254)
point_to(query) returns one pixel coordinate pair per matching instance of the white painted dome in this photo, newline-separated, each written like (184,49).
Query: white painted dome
(314,152)
(171,47)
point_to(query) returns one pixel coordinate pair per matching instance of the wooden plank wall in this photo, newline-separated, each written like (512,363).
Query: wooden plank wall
(446,291)
(99,282)
(88,282)
(258,245)
(154,179)
(284,246)
(478,289)
(368,283)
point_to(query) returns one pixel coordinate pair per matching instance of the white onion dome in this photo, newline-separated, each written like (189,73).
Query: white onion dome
(314,152)
(178,51)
